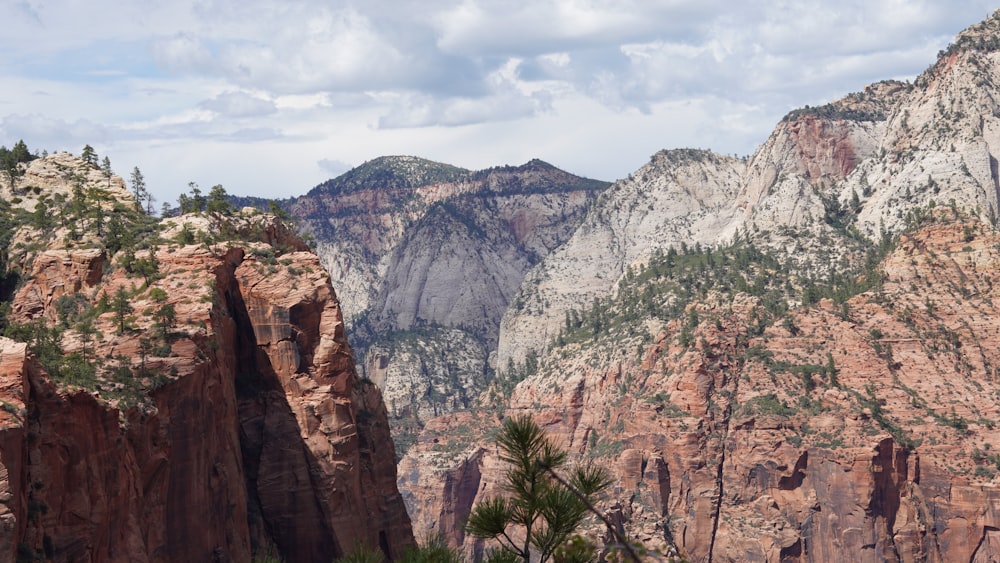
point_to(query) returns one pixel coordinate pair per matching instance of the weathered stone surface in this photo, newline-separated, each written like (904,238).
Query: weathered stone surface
(341,463)
(242,426)
(56,273)
(57,174)
(460,482)
(679,196)
(13,357)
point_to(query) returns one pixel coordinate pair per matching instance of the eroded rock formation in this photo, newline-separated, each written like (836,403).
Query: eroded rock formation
(427,258)
(239,426)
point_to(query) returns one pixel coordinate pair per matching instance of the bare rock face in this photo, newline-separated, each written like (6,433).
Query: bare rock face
(679,197)
(443,275)
(240,426)
(58,273)
(433,371)
(363,220)
(341,464)
(56,176)
(13,356)
(442,482)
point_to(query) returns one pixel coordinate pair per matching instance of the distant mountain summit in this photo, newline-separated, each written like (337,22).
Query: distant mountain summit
(534,176)
(410,172)
(390,172)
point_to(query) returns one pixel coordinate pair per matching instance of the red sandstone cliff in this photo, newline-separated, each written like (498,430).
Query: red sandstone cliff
(868,430)
(246,428)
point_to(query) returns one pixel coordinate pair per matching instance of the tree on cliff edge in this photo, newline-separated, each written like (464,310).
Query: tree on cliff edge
(540,512)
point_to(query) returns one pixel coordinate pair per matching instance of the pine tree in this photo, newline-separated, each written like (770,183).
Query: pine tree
(122,308)
(138,183)
(87,332)
(10,159)
(89,155)
(218,201)
(194,202)
(20,152)
(106,169)
(150,200)
(545,510)
(145,349)
(164,320)
(148,267)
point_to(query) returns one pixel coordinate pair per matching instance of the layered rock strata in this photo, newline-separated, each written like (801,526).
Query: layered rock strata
(428,258)
(239,428)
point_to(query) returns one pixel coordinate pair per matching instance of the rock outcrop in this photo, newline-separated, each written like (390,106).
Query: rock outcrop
(680,196)
(218,417)
(863,162)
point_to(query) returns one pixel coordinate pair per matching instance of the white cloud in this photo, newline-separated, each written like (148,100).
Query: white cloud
(52,133)
(240,104)
(183,53)
(509,98)
(328,50)
(424,111)
(484,27)
(333,167)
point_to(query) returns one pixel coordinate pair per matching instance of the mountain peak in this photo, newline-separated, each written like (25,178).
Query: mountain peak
(391,172)
(534,176)
(536,163)
(983,36)
(871,104)
(682,155)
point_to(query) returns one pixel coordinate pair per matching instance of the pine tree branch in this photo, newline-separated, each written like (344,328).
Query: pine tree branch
(586,502)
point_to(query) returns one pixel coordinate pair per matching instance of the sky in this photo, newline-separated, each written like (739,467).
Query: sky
(270,98)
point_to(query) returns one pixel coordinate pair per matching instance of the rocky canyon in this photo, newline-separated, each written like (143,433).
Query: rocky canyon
(786,356)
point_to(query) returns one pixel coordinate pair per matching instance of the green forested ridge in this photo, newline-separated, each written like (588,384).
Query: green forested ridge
(663,288)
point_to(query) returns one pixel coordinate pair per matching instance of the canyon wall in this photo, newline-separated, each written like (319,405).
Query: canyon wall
(233,427)
(872,433)
(427,258)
